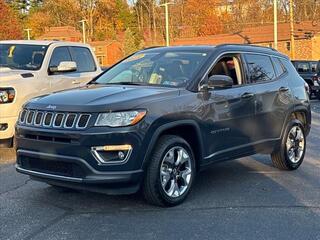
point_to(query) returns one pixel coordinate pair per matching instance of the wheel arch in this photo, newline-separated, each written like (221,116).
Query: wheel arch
(189,130)
(300,113)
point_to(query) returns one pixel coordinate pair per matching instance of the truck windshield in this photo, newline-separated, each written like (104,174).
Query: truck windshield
(169,69)
(22,56)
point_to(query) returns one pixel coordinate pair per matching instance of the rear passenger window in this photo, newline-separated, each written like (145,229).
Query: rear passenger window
(83,57)
(278,66)
(260,68)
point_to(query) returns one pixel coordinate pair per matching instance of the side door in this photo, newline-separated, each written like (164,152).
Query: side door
(86,66)
(232,111)
(62,80)
(273,98)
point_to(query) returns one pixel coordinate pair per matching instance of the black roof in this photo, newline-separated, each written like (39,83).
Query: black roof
(226,47)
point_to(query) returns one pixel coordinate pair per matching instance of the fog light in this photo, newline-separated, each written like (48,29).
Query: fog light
(3,126)
(112,154)
(121,155)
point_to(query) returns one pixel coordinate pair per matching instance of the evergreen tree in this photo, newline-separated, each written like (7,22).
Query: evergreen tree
(129,45)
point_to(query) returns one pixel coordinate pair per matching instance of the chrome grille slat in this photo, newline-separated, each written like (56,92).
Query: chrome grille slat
(56,122)
(70,120)
(23,115)
(38,115)
(79,124)
(59,120)
(30,117)
(47,121)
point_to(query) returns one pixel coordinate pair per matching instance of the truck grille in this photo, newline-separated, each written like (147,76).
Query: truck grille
(54,119)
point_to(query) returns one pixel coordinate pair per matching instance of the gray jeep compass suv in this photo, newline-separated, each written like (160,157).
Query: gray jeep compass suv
(161,115)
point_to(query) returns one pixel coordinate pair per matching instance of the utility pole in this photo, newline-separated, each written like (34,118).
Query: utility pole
(292,45)
(275,23)
(83,30)
(28,32)
(166,7)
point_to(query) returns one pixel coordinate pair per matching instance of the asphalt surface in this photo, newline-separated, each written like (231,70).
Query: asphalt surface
(241,199)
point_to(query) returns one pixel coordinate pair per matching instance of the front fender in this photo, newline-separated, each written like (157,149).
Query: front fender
(155,131)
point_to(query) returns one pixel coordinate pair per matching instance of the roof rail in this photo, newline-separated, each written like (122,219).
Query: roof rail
(249,45)
(151,47)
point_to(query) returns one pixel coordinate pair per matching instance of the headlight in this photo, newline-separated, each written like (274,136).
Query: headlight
(120,119)
(7,95)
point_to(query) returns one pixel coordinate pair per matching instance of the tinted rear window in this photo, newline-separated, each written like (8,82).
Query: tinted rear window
(303,67)
(278,66)
(260,68)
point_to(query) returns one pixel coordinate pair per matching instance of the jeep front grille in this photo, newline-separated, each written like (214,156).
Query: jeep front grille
(61,120)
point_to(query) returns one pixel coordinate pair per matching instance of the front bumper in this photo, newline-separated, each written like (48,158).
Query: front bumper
(9,132)
(76,173)
(64,158)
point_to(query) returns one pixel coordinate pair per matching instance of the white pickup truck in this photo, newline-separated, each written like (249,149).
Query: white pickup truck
(32,68)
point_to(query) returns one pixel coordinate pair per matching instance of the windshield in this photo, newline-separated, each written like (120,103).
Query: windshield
(171,69)
(22,56)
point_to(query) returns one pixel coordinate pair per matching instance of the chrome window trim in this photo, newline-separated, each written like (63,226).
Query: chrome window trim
(232,52)
(78,120)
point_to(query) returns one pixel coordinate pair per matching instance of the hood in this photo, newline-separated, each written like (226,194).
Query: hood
(95,98)
(7,74)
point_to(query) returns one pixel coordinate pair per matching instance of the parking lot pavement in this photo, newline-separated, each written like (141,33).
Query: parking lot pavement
(241,199)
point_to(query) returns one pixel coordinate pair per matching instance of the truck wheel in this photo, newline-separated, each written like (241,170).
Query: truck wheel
(290,154)
(171,172)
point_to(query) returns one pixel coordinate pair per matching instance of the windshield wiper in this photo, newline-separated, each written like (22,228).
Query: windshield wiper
(129,83)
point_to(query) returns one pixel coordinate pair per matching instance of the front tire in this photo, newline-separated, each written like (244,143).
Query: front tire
(171,171)
(290,154)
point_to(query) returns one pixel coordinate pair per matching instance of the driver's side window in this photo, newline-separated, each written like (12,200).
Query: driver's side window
(229,65)
(60,54)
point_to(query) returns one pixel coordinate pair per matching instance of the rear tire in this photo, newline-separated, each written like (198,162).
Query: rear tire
(290,154)
(170,173)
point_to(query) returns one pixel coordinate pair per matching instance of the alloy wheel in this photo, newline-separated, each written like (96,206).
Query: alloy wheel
(175,172)
(295,144)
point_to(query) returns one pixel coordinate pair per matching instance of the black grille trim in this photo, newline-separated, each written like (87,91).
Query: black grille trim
(38,118)
(83,121)
(47,121)
(30,117)
(55,167)
(58,120)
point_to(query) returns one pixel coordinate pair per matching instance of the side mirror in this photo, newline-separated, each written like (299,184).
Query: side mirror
(67,66)
(218,81)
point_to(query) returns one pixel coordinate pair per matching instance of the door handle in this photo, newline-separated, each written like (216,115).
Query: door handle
(283,89)
(247,95)
(76,82)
